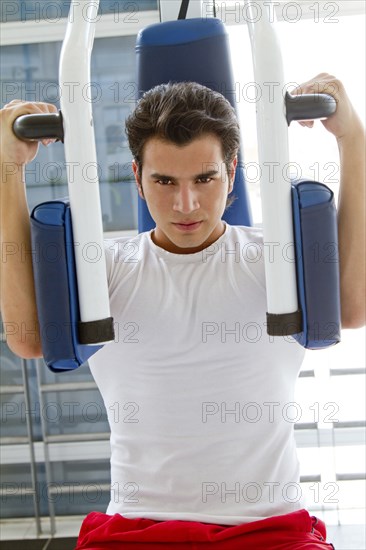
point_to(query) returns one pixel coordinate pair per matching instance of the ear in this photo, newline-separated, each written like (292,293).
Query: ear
(232,172)
(135,168)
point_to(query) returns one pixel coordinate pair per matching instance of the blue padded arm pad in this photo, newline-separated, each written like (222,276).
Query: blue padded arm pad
(56,287)
(317,263)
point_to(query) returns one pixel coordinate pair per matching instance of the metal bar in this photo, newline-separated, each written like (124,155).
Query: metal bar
(309,479)
(47,461)
(350,424)
(64,438)
(30,32)
(11,389)
(33,465)
(16,440)
(68,386)
(65,489)
(307,374)
(306,426)
(346,372)
(351,477)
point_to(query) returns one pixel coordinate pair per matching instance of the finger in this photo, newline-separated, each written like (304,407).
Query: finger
(321,83)
(41,107)
(48,141)
(305,88)
(13,103)
(297,91)
(324,76)
(306,123)
(47,107)
(30,107)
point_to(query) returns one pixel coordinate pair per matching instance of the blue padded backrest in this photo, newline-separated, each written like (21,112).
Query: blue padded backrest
(195,50)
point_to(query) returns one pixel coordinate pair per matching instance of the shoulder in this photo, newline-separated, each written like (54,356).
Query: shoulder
(124,254)
(247,233)
(249,251)
(122,249)
(250,240)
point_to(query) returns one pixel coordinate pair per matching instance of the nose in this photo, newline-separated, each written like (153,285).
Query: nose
(186,199)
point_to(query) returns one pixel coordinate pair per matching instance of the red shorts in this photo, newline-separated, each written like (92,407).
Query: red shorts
(296,531)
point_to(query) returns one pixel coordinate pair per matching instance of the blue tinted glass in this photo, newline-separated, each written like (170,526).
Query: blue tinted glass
(30,72)
(35,10)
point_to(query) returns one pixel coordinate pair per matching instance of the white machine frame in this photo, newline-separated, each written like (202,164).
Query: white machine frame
(82,161)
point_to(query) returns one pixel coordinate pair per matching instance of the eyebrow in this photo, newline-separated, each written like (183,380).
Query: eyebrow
(203,175)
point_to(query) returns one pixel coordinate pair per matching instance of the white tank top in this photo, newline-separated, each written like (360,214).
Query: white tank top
(198,395)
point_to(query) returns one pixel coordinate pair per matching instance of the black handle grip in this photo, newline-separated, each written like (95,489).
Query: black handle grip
(37,127)
(309,106)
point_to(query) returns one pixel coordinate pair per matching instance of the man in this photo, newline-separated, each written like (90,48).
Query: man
(187,463)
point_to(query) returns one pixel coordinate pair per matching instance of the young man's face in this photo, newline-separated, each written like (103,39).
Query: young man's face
(185,188)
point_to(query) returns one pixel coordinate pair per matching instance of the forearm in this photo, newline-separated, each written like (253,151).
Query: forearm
(351,228)
(18,305)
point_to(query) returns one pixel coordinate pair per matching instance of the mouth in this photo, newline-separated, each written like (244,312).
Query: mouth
(189,226)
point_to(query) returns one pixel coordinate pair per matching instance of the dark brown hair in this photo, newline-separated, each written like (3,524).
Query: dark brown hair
(180,113)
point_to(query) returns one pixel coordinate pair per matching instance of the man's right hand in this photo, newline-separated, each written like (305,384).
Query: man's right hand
(13,149)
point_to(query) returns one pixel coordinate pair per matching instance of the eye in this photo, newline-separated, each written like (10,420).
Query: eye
(204,180)
(164,181)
